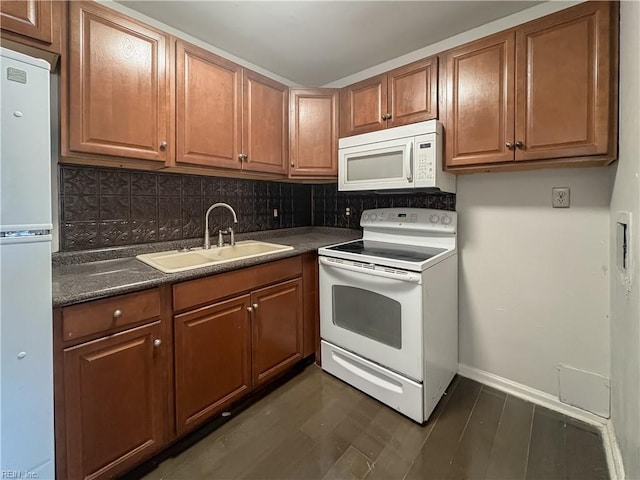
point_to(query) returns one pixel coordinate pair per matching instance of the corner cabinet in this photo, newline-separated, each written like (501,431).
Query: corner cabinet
(119,78)
(313,132)
(405,95)
(543,94)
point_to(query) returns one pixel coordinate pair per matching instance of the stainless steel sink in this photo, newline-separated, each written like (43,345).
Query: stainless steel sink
(176,261)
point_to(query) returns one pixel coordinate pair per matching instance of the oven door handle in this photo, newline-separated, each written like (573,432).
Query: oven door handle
(405,277)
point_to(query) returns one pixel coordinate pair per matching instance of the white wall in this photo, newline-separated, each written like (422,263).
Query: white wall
(534,280)
(625,303)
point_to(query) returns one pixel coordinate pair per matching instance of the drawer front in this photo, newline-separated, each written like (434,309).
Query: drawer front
(207,290)
(110,314)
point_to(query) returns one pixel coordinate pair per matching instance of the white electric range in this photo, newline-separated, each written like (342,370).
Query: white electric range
(389,308)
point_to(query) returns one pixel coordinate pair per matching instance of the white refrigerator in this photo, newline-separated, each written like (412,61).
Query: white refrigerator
(26,358)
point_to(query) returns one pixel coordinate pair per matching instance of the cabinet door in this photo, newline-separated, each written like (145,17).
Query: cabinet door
(212,355)
(563,70)
(31,18)
(114,391)
(119,95)
(265,137)
(208,108)
(314,132)
(363,106)
(480,101)
(277,329)
(413,93)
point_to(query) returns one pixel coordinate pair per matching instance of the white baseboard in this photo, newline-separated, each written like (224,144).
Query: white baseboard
(611,448)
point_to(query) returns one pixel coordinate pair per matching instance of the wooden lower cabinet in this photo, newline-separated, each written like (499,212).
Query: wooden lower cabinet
(212,360)
(114,394)
(277,329)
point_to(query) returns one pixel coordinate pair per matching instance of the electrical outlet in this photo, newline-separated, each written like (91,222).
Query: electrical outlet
(560,196)
(347,212)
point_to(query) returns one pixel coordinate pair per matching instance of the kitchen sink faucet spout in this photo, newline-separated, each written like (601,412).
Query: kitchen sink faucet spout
(207,240)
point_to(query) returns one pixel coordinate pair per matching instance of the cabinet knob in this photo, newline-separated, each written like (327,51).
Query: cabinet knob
(249,309)
(255,306)
(163,146)
(384,116)
(243,157)
(117,313)
(388,116)
(509,145)
(293,164)
(519,144)
(157,342)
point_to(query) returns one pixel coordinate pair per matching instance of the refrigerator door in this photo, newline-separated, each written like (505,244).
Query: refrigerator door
(25,151)
(26,369)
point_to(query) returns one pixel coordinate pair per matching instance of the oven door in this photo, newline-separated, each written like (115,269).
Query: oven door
(376,314)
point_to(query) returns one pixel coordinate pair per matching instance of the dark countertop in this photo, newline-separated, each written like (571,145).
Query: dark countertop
(90,275)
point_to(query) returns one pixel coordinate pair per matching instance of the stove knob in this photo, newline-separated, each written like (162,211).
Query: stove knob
(434,218)
(365,217)
(446,220)
(373,216)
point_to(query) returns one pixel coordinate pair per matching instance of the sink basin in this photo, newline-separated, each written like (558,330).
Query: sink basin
(176,261)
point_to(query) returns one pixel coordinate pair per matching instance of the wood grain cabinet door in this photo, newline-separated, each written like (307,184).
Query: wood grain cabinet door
(313,131)
(208,108)
(114,393)
(212,359)
(265,139)
(363,106)
(413,93)
(563,70)
(119,86)
(277,329)
(480,99)
(31,18)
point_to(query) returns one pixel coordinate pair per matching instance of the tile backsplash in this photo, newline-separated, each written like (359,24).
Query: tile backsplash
(105,207)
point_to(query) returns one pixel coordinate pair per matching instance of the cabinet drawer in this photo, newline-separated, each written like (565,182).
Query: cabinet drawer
(207,290)
(109,314)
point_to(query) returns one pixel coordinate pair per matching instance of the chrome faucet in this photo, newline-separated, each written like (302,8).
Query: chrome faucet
(228,231)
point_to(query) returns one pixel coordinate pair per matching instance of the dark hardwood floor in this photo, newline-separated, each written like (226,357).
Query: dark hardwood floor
(316,427)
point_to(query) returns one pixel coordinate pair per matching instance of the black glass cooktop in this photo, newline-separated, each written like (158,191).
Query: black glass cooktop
(407,253)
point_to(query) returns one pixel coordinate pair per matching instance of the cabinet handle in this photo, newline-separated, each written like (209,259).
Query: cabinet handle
(163,146)
(255,306)
(117,313)
(157,342)
(249,309)
(519,144)
(509,145)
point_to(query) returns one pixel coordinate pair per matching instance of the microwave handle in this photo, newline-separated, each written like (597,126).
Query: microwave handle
(408,162)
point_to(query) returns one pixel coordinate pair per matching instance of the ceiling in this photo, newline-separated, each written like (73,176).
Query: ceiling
(313,43)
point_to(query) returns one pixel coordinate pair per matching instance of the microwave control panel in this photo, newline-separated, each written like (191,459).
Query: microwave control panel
(425,159)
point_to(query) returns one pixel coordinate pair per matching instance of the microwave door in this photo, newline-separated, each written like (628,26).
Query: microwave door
(377,166)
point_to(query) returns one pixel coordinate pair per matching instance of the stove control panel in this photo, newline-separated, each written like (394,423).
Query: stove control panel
(410,218)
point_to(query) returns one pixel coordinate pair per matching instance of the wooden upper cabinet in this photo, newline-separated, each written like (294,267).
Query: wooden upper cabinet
(363,105)
(115,395)
(542,94)
(31,18)
(480,96)
(413,93)
(408,94)
(208,108)
(313,131)
(119,86)
(265,124)
(563,75)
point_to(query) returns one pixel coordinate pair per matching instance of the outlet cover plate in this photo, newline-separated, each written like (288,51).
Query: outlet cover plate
(560,197)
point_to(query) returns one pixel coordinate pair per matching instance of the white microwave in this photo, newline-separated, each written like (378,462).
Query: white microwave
(399,158)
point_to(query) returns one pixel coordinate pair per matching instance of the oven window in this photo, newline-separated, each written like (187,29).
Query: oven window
(368,314)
